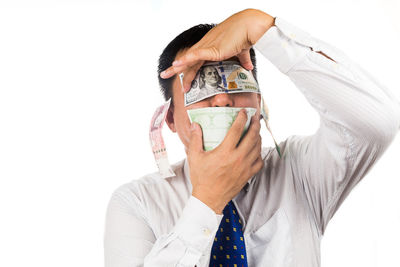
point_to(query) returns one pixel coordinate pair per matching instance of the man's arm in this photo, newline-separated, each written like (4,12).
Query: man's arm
(232,37)
(359,117)
(129,240)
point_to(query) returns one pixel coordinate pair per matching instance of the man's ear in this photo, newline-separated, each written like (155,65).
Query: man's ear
(169,119)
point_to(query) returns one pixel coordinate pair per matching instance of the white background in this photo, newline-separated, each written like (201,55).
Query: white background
(78,86)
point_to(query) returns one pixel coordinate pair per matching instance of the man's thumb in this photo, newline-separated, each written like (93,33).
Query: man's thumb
(196,138)
(245,59)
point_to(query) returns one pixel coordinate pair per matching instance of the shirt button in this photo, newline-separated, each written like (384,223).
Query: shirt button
(206,231)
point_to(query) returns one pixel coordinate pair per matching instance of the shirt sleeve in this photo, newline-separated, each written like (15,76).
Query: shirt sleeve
(359,117)
(130,241)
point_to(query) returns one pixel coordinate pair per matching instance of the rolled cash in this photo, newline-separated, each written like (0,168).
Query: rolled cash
(215,122)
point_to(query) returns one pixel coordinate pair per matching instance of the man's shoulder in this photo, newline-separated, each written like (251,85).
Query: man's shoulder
(149,191)
(150,181)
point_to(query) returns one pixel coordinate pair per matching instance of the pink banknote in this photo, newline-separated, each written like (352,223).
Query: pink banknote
(157,141)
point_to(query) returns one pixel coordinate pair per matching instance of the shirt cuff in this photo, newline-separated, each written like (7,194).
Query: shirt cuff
(198,224)
(284,44)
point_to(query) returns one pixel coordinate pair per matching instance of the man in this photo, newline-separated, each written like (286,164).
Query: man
(282,205)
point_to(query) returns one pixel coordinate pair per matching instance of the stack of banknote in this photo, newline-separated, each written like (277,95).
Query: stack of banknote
(215,122)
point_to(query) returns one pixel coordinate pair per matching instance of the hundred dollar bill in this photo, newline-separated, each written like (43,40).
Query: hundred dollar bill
(220,77)
(157,141)
(215,122)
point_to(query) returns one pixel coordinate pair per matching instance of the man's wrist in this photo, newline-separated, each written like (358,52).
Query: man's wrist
(197,225)
(206,199)
(258,25)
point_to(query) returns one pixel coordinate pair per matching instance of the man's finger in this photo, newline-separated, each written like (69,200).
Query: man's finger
(169,72)
(254,152)
(189,76)
(257,165)
(196,139)
(249,139)
(233,136)
(192,56)
(245,59)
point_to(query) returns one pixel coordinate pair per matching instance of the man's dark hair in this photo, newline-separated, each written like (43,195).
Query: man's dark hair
(185,40)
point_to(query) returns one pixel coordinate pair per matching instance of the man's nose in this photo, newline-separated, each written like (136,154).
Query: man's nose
(222,100)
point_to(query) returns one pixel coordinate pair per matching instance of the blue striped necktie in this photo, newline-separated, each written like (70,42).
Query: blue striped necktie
(229,248)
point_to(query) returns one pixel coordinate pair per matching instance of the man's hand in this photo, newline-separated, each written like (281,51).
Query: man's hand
(232,37)
(218,175)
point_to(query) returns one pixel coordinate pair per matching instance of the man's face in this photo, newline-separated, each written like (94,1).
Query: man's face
(210,75)
(178,120)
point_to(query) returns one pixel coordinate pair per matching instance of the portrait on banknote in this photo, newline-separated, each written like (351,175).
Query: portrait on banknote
(210,78)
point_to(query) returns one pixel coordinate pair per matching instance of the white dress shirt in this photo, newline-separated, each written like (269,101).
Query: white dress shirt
(287,205)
